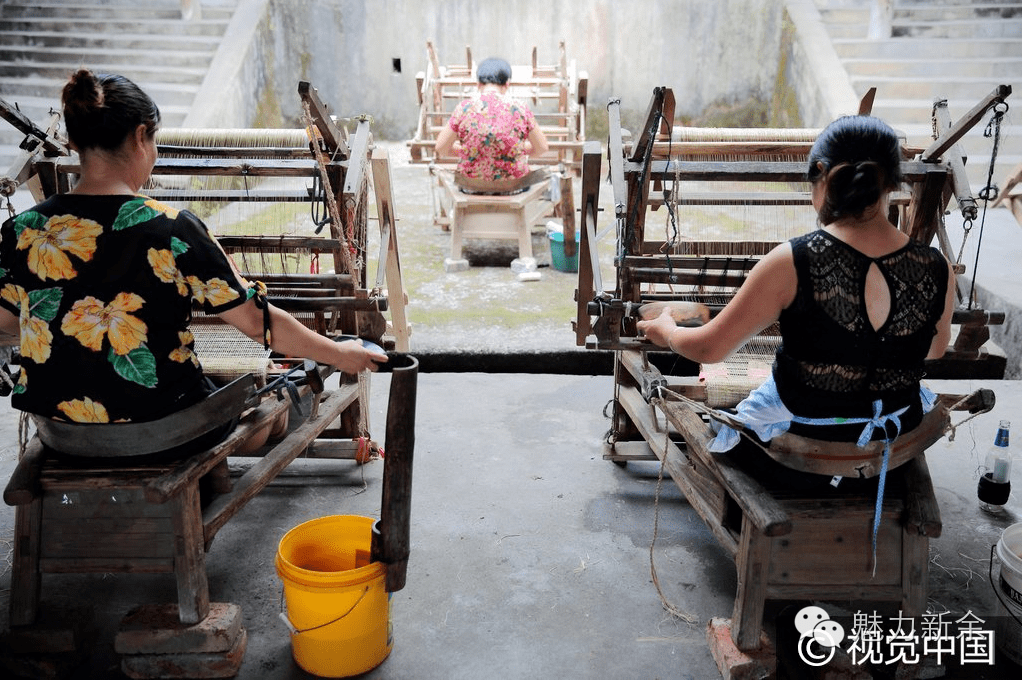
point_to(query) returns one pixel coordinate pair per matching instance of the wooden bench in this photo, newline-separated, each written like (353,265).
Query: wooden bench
(790,545)
(101,516)
(495,210)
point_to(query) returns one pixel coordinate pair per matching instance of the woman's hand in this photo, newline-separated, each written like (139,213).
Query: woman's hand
(658,330)
(354,358)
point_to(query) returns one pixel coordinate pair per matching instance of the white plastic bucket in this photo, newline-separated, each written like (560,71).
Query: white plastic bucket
(1008,631)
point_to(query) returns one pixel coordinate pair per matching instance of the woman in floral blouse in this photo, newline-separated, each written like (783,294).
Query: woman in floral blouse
(98,284)
(492,133)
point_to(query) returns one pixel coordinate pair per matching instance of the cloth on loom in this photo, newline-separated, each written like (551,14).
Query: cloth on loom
(765,414)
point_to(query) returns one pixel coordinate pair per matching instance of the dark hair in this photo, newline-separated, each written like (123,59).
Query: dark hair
(861,157)
(493,70)
(101,110)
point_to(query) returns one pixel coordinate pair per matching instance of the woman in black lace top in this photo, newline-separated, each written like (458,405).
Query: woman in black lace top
(861,305)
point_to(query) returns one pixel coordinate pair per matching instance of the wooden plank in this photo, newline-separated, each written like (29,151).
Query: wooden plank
(333,137)
(830,543)
(391,544)
(278,244)
(262,473)
(105,565)
(23,487)
(255,167)
(164,487)
(190,557)
(752,562)
(965,123)
(229,195)
(706,496)
(26,579)
(590,280)
(390,258)
(50,143)
(63,541)
(922,513)
(754,500)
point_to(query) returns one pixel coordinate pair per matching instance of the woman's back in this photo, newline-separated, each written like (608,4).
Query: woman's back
(103,286)
(492,129)
(837,357)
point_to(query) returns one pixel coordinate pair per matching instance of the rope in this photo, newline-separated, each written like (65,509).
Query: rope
(989,192)
(667,605)
(335,215)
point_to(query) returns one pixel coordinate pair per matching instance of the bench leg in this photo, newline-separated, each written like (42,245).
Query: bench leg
(26,580)
(915,561)
(190,557)
(524,236)
(750,600)
(457,216)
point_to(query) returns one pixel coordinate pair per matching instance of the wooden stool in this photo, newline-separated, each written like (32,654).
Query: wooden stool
(105,516)
(798,546)
(495,216)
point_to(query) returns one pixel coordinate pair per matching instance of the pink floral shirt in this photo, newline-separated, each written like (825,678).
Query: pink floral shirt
(492,129)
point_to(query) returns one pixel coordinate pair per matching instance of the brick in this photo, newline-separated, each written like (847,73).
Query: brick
(173,666)
(735,664)
(156,629)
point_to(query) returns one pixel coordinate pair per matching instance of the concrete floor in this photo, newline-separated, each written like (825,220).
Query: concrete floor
(530,553)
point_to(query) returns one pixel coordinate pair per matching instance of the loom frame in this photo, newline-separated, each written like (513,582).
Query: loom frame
(770,537)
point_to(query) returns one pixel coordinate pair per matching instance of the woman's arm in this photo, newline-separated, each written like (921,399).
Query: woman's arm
(290,338)
(9,323)
(445,143)
(536,144)
(769,288)
(943,335)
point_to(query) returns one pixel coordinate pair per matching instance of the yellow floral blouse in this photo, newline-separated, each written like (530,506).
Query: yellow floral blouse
(103,287)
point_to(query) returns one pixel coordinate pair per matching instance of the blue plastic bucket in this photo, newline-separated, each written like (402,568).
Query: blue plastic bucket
(558,259)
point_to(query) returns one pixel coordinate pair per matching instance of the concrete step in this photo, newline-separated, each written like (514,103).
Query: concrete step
(119,41)
(162,92)
(206,27)
(1007,69)
(973,29)
(935,11)
(137,72)
(93,10)
(116,58)
(917,109)
(927,48)
(926,87)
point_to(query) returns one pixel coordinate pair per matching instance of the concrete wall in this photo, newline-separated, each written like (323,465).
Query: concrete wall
(712,52)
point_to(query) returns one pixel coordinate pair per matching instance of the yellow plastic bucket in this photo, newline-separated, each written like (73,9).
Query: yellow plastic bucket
(335,601)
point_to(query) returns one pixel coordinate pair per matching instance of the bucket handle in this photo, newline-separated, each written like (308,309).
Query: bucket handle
(996,590)
(294,629)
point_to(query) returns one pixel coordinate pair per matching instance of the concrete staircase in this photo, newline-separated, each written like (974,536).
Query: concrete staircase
(43,41)
(958,50)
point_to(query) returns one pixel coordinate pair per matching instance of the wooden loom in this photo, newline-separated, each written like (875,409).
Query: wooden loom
(557,95)
(147,518)
(785,546)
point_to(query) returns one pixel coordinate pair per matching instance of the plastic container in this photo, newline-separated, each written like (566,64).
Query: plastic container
(995,481)
(1008,630)
(336,603)
(558,259)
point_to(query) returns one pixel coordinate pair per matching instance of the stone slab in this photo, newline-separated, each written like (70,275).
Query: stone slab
(156,629)
(201,665)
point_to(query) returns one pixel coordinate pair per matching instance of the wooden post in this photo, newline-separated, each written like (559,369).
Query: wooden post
(391,533)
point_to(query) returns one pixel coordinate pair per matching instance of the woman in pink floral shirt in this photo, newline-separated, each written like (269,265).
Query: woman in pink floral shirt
(492,133)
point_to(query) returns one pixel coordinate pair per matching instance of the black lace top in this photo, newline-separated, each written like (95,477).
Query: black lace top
(832,363)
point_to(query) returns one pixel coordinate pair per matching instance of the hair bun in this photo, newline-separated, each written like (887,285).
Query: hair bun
(83,93)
